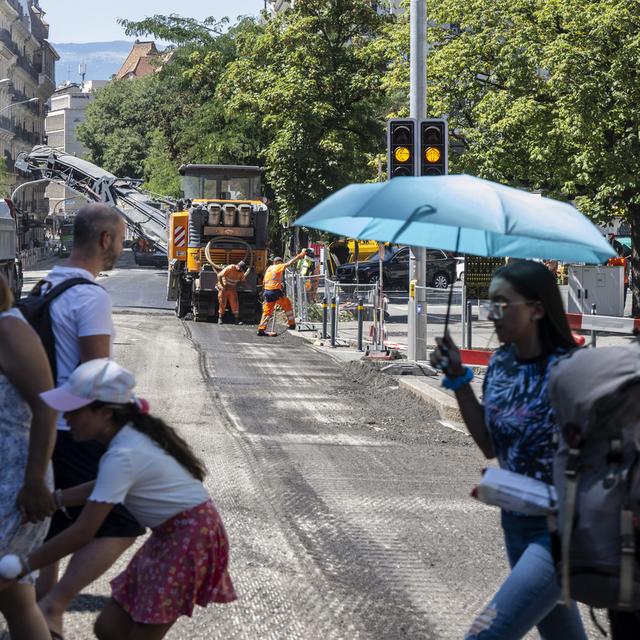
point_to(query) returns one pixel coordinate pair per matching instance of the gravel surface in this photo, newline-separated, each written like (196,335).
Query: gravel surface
(346,501)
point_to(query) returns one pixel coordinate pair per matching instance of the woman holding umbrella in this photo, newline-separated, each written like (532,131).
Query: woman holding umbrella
(515,424)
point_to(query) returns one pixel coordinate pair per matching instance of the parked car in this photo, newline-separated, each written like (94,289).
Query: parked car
(441,269)
(460,268)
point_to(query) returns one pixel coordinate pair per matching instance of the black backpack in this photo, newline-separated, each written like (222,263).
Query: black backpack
(36,310)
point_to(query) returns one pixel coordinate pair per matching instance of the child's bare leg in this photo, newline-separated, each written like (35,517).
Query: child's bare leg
(18,606)
(114,623)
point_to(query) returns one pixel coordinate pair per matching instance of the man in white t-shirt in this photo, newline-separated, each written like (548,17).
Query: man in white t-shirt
(83,330)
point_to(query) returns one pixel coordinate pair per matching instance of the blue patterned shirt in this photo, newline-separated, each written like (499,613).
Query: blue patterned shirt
(518,414)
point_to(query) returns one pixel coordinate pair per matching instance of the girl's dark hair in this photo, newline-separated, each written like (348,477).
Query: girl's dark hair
(159,431)
(534,281)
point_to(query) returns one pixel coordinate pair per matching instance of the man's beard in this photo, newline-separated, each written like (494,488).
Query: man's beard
(110,259)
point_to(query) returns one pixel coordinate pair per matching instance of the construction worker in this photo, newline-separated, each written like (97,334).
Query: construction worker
(274,293)
(621,261)
(228,280)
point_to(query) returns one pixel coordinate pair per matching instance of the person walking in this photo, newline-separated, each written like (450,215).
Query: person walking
(27,436)
(274,293)
(83,330)
(228,280)
(153,471)
(516,426)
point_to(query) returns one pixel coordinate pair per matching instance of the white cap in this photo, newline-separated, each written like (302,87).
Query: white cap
(101,379)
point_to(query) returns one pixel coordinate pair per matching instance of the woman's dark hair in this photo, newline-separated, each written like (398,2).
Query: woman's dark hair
(534,281)
(159,431)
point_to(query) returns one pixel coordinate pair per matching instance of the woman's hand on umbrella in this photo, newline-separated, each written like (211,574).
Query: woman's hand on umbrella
(446,356)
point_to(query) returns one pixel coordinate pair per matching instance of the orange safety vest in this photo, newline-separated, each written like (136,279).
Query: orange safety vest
(273,277)
(232,275)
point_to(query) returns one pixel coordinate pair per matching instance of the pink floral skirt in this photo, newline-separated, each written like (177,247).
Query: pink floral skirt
(183,563)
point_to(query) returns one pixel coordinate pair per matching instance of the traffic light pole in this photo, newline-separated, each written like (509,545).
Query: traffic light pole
(417,329)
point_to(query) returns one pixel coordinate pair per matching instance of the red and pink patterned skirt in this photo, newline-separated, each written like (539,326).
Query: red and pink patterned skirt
(183,563)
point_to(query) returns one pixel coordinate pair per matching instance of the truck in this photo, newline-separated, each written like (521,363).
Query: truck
(224,220)
(66,237)
(10,264)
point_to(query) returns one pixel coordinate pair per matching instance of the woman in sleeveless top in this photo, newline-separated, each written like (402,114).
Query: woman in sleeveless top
(27,436)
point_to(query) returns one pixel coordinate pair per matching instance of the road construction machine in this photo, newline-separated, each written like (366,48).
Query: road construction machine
(224,221)
(144,219)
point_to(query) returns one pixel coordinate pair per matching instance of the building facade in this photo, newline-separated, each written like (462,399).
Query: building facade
(27,79)
(67,110)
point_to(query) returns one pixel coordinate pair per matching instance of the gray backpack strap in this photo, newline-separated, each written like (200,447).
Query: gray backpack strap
(627,559)
(571,490)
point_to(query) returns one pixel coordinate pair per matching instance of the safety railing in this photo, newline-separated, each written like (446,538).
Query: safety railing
(31,257)
(342,313)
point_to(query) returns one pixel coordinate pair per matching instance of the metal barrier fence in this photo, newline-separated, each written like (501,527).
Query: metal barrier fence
(333,309)
(30,257)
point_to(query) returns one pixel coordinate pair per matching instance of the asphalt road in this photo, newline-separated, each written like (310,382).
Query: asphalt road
(346,501)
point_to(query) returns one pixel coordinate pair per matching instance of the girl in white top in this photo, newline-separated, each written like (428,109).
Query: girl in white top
(151,470)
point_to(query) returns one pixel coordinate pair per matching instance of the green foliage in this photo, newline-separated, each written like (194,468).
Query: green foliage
(311,83)
(160,172)
(118,126)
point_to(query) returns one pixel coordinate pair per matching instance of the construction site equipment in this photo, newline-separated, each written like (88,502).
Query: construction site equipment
(44,164)
(225,222)
(10,264)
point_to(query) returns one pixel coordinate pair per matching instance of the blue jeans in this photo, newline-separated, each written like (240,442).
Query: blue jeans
(529,596)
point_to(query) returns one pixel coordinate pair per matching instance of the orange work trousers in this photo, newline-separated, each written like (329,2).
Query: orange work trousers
(229,296)
(268,309)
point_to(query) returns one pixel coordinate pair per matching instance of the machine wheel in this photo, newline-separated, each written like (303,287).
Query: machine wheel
(183,301)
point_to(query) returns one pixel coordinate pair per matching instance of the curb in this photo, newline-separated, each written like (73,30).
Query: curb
(444,404)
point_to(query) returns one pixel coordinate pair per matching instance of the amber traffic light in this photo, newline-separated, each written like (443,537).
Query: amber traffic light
(434,144)
(401,147)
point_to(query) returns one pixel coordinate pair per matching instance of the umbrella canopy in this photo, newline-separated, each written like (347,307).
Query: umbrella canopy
(461,213)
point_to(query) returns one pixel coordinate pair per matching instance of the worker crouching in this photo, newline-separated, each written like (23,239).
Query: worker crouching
(228,280)
(274,293)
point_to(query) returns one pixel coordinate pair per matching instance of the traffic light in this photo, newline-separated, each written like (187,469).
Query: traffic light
(401,147)
(434,147)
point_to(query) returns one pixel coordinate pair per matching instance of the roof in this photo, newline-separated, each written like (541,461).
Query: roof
(139,61)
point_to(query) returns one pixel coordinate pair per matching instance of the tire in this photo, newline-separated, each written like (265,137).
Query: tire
(183,301)
(441,280)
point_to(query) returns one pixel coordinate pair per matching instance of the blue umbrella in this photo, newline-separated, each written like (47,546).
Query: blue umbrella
(461,213)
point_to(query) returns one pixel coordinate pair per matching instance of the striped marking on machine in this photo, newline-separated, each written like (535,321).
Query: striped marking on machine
(180,236)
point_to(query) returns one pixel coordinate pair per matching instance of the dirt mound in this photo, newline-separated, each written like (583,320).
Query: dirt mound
(368,374)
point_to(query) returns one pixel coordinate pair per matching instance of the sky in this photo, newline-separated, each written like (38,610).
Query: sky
(95,20)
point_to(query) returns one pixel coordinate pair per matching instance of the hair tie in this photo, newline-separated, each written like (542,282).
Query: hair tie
(143,405)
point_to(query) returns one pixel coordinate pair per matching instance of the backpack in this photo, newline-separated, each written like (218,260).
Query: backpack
(36,310)
(597,477)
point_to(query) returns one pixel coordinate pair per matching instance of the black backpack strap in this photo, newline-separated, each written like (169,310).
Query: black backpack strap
(571,491)
(59,289)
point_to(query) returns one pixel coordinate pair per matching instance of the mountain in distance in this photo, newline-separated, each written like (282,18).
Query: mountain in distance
(103,59)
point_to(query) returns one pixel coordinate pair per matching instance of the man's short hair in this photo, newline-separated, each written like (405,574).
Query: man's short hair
(242,265)
(91,221)
(277,260)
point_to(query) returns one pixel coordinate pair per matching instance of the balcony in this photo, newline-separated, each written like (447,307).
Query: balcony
(6,124)
(5,39)
(25,64)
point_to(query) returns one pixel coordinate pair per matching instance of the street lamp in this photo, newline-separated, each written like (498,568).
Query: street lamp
(15,104)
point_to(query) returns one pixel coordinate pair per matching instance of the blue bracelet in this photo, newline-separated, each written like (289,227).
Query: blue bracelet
(459,381)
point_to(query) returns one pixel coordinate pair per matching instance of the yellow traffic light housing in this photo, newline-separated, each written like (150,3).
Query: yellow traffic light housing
(434,144)
(401,147)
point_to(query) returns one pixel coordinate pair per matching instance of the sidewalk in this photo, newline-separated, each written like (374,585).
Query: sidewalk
(426,388)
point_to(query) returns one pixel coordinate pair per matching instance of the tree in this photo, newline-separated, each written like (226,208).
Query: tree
(160,172)
(541,95)
(117,127)
(311,82)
